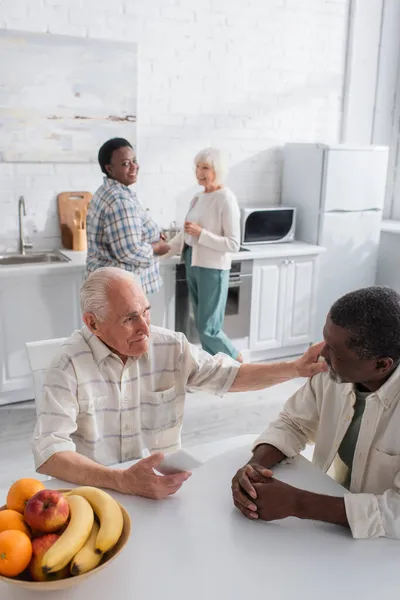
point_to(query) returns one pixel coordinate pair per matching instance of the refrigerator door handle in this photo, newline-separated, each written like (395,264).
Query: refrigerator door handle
(344,212)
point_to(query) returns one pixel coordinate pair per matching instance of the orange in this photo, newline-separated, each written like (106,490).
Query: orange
(11,519)
(15,552)
(21,491)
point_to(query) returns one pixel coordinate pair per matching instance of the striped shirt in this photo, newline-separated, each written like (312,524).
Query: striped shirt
(110,412)
(120,234)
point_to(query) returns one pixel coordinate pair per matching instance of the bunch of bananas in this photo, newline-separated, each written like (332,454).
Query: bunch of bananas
(84,541)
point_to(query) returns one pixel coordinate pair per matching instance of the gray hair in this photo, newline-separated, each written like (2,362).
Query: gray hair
(216,160)
(372,317)
(94,297)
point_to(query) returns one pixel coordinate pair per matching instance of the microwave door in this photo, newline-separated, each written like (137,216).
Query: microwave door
(268,226)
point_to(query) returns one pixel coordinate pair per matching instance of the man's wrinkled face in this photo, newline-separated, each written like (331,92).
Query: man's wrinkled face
(126,329)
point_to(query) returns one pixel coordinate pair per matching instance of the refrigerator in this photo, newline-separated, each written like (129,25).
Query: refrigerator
(339,192)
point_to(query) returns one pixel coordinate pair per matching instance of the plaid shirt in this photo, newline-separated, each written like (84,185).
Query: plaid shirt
(120,233)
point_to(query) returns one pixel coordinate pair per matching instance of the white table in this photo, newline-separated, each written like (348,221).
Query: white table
(197,546)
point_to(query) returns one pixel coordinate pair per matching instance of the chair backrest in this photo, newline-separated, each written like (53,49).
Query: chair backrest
(40,355)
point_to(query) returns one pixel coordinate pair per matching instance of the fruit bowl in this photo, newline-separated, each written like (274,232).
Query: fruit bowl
(62,584)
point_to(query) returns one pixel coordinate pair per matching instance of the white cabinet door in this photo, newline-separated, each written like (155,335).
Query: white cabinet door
(268,304)
(163,301)
(299,298)
(33,308)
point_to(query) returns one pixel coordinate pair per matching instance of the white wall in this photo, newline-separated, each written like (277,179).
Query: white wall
(387,115)
(371,103)
(365,26)
(244,75)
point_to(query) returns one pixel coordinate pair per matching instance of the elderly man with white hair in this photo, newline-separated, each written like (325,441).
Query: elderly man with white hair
(115,392)
(211,233)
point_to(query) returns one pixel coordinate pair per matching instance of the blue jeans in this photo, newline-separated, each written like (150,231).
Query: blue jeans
(208,290)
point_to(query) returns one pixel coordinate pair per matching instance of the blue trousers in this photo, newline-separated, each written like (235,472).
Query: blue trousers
(208,291)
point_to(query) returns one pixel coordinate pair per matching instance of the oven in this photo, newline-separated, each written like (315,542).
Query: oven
(237,312)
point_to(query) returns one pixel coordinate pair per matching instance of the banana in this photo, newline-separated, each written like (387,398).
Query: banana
(73,538)
(87,557)
(109,514)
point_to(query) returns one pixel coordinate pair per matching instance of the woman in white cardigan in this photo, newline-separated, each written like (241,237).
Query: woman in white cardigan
(211,232)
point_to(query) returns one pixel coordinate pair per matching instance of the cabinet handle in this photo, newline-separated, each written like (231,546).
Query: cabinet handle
(285,263)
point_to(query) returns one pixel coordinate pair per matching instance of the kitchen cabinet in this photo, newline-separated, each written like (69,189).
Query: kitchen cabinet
(299,301)
(33,307)
(282,303)
(163,302)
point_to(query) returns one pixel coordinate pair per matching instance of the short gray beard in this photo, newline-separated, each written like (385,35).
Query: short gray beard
(334,376)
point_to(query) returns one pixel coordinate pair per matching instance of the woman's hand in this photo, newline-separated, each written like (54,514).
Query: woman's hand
(160,248)
(193,229)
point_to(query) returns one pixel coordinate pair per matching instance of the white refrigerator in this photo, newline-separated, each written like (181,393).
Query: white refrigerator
(339,192)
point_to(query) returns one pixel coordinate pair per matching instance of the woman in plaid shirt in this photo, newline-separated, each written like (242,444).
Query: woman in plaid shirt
(120,232)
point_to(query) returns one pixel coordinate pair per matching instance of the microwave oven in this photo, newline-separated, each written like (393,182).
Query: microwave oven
(270,225)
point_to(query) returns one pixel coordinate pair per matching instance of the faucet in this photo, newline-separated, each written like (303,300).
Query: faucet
(24,243)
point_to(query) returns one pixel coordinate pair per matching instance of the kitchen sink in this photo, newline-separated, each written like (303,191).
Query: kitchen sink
(33,258)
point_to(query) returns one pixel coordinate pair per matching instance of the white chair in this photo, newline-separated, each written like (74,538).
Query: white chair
(40,355)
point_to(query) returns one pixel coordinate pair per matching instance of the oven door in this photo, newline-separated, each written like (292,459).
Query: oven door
(237,311)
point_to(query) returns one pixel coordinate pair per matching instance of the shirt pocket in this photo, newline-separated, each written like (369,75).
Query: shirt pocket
(382,472)
(90,420)
(159,410)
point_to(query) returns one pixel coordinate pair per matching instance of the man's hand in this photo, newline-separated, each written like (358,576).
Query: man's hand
(276,500)
(193,229)
(243,488)
(161,247)
(140,479)
(309,365)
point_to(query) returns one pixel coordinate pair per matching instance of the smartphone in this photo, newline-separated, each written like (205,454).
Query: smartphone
(177,462)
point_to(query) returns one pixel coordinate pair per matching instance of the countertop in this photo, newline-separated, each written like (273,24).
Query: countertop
(78,259)
(389,226)
(197,545)
(267,251)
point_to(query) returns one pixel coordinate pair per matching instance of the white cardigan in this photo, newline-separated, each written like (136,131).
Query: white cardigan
(220,222)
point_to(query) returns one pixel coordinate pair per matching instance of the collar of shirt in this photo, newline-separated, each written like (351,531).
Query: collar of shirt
(101,351)
(389,391)
(386,393)
(108,181)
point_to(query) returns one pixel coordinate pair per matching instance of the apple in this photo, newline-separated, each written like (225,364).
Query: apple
(46,511)
(40,546)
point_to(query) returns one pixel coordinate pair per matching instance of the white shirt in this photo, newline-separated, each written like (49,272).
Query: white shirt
(111,412)
(193,216)
(219,216)
(322,411)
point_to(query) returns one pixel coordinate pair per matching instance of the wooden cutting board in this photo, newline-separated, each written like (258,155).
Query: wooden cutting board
(68,205)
